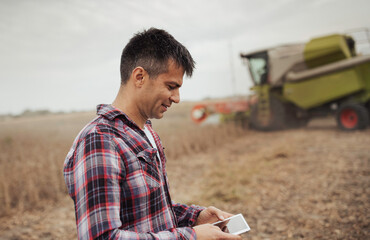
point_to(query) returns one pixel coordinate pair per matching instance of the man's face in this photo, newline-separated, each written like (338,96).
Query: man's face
(161,92)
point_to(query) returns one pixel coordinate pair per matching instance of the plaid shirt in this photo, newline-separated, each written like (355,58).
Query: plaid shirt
(118,185)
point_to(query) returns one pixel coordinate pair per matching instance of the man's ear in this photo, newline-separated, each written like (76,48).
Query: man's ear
(138,75)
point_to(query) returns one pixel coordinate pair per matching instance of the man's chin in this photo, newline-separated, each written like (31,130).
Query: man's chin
(159,116)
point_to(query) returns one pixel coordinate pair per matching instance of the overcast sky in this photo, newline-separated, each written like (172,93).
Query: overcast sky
(64,55)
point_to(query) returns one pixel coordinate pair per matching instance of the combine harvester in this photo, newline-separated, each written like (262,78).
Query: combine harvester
(297,82)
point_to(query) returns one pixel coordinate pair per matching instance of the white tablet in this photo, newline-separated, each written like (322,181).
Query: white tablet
(234,225)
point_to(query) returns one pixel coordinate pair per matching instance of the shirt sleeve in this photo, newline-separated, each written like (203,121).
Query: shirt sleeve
(186,215)
(97,172)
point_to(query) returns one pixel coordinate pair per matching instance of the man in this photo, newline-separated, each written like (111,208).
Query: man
(115,171)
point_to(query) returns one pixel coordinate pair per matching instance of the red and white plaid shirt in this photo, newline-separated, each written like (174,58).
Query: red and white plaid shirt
(115,179)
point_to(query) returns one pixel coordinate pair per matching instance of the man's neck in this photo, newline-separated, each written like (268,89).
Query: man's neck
(128,106)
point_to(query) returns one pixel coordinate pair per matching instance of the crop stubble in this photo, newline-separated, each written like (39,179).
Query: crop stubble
(308,183)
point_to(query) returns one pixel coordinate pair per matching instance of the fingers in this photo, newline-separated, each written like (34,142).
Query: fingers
(230,236)
(209,231)
(221,215)
(217,212)
(226,235)
(211,215)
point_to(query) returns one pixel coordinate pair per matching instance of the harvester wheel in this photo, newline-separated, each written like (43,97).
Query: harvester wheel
(275,119)
(352,116)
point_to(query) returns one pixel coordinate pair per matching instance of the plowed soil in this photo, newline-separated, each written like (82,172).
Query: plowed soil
(311,183)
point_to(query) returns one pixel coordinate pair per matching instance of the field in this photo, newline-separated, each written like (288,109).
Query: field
(310,183)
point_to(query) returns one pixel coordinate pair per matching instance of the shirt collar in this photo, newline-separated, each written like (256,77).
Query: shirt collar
(110,112)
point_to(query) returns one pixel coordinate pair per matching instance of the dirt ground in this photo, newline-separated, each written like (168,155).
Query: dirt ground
(311,183)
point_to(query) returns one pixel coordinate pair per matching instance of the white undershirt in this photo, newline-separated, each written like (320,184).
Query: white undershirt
(151,139)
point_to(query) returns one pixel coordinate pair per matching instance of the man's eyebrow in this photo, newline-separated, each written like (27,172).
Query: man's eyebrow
(175,84)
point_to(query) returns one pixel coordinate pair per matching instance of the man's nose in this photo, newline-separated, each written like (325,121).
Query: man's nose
(175,97)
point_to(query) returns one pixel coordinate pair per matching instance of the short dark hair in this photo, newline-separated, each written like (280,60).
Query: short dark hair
(152,49)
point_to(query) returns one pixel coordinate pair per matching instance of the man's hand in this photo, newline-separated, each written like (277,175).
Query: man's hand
(209,231)
(211,215)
